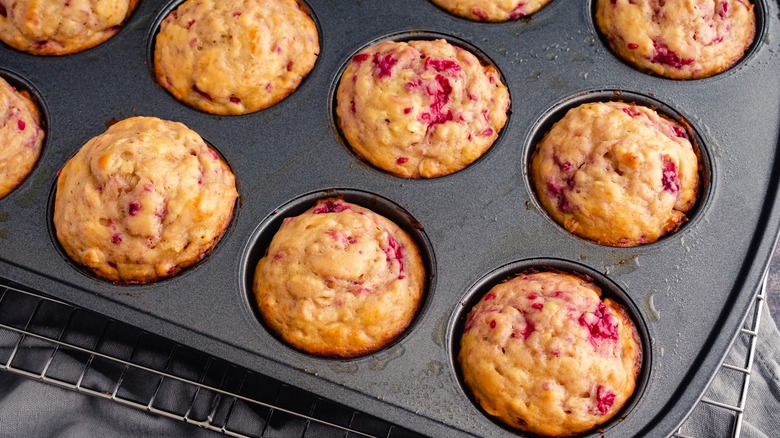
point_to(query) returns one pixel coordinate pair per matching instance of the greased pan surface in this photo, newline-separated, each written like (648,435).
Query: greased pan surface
(688,292)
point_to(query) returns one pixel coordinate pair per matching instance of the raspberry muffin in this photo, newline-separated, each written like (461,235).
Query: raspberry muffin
(679,39)
(491,10)
(235,56)
(142,201)
(420,109)
(339,280)
(544,354)
(616,173)
(21,136)
(61,27)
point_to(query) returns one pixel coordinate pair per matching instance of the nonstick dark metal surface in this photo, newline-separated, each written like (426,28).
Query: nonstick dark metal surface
(688,292)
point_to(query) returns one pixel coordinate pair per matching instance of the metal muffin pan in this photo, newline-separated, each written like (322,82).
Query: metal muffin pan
(689,292)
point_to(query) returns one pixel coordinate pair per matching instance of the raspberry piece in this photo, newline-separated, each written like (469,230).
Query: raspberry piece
(133,208)
(723,9)
(401,160)
(442,65)
(600,324)
(680,132)
(537,306)
(669,178)
(632,112)
(21,125)
(668,57)
(517,12)
(360,57)
(394,251)
(482,15)
(529,328)
(441,97)
(116,238)
(330,207)
(633,46)
(385,63)
(201,93)
(604,400)
(563,202)
(235,99)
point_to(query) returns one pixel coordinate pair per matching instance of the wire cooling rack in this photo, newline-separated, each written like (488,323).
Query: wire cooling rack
(53,342)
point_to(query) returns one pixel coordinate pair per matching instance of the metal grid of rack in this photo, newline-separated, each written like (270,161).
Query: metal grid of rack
(51,341)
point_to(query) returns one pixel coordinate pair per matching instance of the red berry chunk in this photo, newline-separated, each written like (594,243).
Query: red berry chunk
(401,160)
(21,125)
(330,207)
(669,179)
(529,328)
(116,238)
(633,112)
(668,57)
(441,96)
(563,201)
(394,251)
(680,132)
(517,12)
(600,324)
(385,63)
(442,64)
(133,208)
(482,15)
(360,57)
(604,400)
(201,93)
(723,9)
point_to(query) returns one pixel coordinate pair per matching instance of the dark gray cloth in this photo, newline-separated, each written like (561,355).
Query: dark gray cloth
(33,409)
(762,409)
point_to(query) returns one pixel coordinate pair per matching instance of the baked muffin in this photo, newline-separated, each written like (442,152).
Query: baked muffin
(339,280)
(142,201)
(21,136)
(616,173)
(420,108)
(679,39)
(491,10)
(61,27)
(544,354)
(235,56)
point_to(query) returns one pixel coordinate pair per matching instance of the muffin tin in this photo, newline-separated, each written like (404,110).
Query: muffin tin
(688,293)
